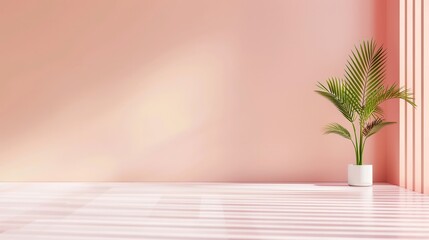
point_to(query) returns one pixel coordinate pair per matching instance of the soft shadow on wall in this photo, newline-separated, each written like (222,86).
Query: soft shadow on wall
(174,90)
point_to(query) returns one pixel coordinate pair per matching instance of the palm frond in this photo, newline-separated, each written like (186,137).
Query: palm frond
(365,72)
(394,92)
(336,92)
(378,112)
(360,93)
(337,129)
(387,93)
(374,126)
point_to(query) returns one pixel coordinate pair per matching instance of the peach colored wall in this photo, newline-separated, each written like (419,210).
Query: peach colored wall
(392,107)
(177,90)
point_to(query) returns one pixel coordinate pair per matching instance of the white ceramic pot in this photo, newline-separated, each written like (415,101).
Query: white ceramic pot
(360,175)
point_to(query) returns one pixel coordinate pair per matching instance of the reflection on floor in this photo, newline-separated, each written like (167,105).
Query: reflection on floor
(108,211)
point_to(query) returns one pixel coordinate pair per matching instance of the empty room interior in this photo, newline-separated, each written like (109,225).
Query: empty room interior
(214,119)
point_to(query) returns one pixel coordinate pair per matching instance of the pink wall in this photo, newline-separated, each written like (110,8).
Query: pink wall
(177,90)
(413,169)
(392,107)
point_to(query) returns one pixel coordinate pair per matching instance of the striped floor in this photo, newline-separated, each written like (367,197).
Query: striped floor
(78,211)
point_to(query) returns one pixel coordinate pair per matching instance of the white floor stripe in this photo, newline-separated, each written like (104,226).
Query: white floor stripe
(191,211)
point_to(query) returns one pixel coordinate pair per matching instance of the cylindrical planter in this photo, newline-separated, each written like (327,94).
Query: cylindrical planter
(360,175)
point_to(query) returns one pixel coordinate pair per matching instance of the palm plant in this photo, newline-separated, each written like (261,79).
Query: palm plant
(359,94)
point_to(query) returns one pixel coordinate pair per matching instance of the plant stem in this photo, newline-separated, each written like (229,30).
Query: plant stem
(359,162)
(355,143)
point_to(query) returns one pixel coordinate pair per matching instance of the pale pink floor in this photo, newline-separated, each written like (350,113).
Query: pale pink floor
(186,211)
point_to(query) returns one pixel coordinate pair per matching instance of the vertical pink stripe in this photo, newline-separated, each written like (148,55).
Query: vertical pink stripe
(409,85)
(406,85)
(414,134)
(414,90)
(417,112)
(423,96)
(425,89)
(402,82)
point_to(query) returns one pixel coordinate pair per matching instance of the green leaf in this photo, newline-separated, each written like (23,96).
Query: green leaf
(360,93)
(337,129)
(364,80)
(394,92)
(374,126)
(336,92)
(378,112)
